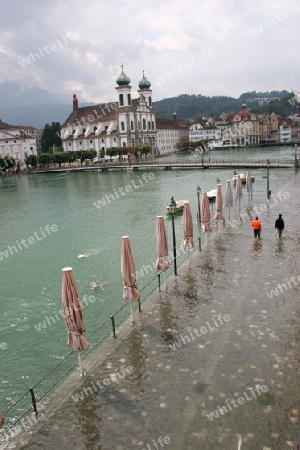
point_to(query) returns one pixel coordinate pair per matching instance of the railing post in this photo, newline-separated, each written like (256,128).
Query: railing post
(140,305)
(158,276)
(199,244)
(33,401)
(113,325)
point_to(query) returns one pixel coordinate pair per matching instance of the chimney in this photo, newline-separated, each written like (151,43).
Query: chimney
(75,103)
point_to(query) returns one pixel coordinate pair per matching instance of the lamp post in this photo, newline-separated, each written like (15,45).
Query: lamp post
(172,211)
(199,211)
(268,179)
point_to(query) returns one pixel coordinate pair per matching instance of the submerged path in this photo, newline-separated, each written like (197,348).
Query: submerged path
(211,362)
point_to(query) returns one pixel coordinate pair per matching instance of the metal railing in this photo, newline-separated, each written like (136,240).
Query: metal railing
(29,400)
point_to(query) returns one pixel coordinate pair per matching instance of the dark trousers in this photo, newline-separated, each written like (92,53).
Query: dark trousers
(279,231)
(257,233)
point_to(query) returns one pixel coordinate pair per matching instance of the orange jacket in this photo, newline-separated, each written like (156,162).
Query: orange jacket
(256,224)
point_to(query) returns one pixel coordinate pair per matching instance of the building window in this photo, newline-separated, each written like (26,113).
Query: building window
(124,144)
(129,99)
(91,141)
(144,124)
(122,126)
(102,140)
(70,144)
(121,100)
(31,148)
(149,125)
(150,101)
(152,125)
(131,125)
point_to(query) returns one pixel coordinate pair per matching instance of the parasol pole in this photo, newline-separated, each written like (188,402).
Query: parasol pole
(80,363)
(131,310)
(165,276)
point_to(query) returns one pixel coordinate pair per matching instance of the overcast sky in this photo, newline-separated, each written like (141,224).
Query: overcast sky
(211,47)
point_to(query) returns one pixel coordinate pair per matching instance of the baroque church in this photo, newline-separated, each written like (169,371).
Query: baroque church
(125,123)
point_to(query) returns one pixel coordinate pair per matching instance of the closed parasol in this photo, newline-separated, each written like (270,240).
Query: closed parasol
(187,226)
(228,196)
(249,185)
(205,213)
(219,204)
(128,274)
(163,262)
(73,315)
(239,191)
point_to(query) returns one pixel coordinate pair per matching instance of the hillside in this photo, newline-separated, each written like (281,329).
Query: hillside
(36,107)
(193,106)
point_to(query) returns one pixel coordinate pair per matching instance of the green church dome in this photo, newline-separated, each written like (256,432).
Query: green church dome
(123,79)
(144,83)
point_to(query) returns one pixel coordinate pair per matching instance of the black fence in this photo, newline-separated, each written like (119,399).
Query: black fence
(33,395)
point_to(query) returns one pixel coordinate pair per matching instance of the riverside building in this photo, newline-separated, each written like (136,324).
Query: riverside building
(18,142)
(126,122)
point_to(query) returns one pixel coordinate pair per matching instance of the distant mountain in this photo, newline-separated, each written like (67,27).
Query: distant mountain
(33,106)
(193,106)
(36,107)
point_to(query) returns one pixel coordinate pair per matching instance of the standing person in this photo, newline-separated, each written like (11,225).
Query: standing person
(257,227)
(279,225)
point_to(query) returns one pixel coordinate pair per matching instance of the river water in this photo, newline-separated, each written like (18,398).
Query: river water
(31,275)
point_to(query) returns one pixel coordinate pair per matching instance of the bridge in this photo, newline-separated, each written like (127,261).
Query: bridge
(169,165)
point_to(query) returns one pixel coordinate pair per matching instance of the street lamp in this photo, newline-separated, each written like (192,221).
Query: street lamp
(268,179)
(172,211)
(199,211)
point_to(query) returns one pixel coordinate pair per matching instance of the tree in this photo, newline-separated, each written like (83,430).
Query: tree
(7,162)
(145,149)
(31,159)
(111,151)
(60,157)
(45,158)
(91,154)
(50,137)
(185,146)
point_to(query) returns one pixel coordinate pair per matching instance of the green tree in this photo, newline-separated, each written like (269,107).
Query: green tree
(60,157)
(50,137)
(31,159)
(91,154)
(111,151)
(45,158)
(145,149)
(7,162)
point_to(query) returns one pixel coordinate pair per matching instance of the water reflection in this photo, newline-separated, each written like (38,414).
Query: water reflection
(89,420)
(207,274)
(279,246)
(136,354)
(167,317)
(257,249)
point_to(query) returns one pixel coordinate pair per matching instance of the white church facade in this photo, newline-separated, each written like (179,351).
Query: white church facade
(125,123)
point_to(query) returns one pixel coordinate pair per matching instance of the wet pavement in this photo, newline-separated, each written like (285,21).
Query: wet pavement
(212,339)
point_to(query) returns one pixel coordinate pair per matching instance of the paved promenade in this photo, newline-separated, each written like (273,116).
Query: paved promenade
(211,361)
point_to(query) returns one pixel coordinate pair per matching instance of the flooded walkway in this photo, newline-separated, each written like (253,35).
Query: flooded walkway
(211,362)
